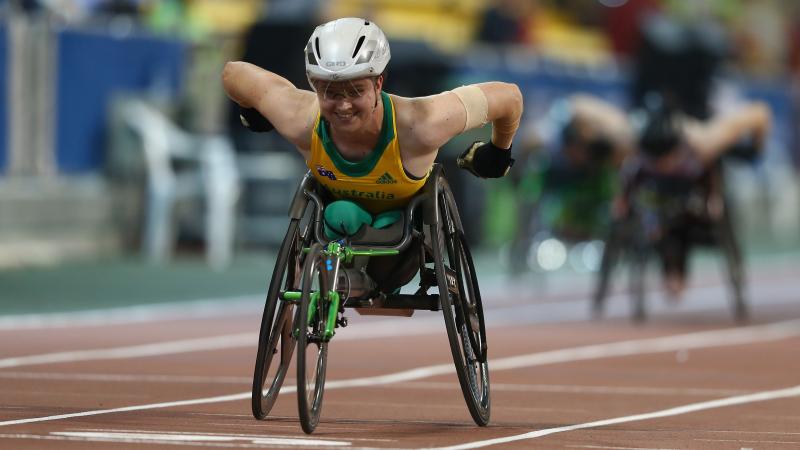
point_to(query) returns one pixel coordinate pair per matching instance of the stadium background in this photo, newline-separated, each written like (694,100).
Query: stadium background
(74,200)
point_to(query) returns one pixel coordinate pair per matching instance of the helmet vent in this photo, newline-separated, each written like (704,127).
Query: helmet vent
(358,46)
(316,44)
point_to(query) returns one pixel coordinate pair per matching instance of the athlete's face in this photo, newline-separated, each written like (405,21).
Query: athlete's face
(348,105)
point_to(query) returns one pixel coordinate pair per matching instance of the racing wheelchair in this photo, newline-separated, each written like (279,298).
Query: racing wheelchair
(569,213)
(316,279)
(669,214)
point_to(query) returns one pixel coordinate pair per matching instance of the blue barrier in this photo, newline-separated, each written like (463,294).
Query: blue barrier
(544,80)
(777,96)
(92,67)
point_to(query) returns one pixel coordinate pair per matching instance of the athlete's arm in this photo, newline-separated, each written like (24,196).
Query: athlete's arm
(606,120)
(712,139)
(292,111)
(427,123)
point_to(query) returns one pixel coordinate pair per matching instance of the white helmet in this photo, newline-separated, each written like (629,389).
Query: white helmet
(345,49)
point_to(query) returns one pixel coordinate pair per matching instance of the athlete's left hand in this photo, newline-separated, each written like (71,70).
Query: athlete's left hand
(485,160)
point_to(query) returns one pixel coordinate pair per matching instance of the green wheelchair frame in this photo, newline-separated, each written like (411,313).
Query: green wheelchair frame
(305,303)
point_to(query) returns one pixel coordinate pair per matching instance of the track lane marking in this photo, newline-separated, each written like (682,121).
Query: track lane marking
(428,385)
(713,338)
(578,389)
(377,329)
(197,433)
(125,378)
(136,351)
(179,310)
(675,411)
(97,412)
(265,442)
(372,330)
(618,448)
(150,437)
(748,441)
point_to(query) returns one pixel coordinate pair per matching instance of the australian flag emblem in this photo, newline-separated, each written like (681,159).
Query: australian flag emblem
(325,173)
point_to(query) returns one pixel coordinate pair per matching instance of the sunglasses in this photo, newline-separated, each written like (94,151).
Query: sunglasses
(340,90)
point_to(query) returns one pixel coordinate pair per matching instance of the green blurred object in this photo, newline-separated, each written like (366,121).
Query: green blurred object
(500,217)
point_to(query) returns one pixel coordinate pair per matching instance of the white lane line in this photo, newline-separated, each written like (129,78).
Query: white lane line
(678,410)
(125,378)
(381,328)
(197,433)
(197,401)
(779,433)
(137,351)
(265,442)
(714,338)
(145,437)
(578,389)
(179,310)
(373,330)
(429,385)
(618,448)
(747,441)
(717,338)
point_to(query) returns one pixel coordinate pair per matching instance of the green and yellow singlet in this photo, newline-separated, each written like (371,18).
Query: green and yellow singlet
(379,182)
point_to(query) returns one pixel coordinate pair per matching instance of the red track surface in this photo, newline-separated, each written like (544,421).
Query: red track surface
(545,391)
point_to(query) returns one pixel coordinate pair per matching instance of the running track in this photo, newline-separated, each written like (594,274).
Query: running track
(179,376)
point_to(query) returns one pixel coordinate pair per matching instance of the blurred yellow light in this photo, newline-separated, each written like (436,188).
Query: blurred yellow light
(230,16)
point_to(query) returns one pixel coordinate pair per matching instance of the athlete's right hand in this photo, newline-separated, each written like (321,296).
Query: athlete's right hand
(254,121)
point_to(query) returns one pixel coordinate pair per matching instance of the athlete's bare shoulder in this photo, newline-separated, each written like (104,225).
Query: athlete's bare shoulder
(429,122)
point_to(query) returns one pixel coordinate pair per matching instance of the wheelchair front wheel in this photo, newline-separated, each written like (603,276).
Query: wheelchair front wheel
(460,300)
(312,347)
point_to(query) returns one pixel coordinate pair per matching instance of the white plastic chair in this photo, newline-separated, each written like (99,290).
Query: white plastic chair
(212,176)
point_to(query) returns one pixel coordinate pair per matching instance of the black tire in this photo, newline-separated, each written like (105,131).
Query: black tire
(733,259)
(309,332)
(638,276)
(611,251)
(461,305)
(276,343)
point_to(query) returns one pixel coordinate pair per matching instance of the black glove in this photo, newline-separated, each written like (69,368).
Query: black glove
(254,121)
(486,160)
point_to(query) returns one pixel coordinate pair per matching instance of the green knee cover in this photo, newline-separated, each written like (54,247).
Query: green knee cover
(345,218)
(387,218)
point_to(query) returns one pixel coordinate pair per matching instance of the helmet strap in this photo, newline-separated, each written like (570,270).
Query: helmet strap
(377,93)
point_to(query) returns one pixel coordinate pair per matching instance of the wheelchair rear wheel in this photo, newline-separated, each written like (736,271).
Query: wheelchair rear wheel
(460,300)
(312,347)
(276,343)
